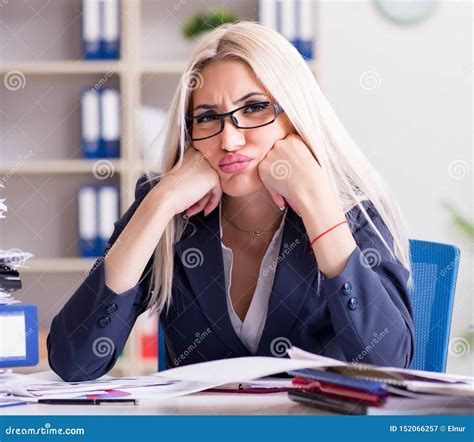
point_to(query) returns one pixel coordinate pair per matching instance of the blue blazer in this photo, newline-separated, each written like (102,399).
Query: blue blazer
(364,314)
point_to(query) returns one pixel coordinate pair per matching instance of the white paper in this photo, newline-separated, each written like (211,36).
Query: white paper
(243,369)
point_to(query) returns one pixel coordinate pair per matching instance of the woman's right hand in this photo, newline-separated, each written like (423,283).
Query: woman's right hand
(193,187)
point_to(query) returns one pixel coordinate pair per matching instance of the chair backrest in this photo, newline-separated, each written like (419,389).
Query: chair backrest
(434,271)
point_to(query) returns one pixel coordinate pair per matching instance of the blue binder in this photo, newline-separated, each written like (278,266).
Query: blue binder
(101,29)
(90,123)
(87,221)
(294,19)
(98,210)
(19,346)
(109,122)
(91,26)
(110,35)
(108,214)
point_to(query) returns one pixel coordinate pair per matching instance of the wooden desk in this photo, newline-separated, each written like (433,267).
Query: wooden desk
(194,404)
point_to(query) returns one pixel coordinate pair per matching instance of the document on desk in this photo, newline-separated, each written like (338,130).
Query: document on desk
(47,385)
(245,369)
(242,369)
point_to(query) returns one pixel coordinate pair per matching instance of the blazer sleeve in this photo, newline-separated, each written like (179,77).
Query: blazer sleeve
(369,301)
(90,331)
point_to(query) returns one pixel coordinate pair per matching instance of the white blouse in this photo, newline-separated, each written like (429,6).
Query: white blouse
(250,330)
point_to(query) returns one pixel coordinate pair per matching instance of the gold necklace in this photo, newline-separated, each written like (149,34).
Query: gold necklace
(251,232)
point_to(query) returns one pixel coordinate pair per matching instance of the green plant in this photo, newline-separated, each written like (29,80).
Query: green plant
(461,222)
(206,22)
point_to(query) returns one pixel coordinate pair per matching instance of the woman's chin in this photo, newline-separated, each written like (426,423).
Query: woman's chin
(241,184)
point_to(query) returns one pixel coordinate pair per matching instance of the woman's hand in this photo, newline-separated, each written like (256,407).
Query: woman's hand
(290,171)
(194,186)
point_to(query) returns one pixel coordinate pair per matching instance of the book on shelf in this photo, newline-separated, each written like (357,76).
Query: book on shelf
(98,210)
(100,122)
(101,29)
(294,19)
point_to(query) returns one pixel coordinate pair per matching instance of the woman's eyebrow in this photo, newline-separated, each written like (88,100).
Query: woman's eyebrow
(213,106)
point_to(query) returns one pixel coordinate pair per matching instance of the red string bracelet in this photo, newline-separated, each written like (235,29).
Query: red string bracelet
(328,230)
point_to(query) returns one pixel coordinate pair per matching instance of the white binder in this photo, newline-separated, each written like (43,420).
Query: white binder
(110,122)
(90,123)
(91,25)
(108,205)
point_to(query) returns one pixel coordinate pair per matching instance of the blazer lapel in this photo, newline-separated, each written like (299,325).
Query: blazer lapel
(294,277)
(201,257)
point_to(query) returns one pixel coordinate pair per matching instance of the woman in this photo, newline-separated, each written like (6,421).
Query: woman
(266,228)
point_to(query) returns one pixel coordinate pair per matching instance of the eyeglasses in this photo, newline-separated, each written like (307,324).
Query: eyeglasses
(249,116)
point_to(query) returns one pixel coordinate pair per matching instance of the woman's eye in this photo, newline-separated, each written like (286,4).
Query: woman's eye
(256,107)
(206,118)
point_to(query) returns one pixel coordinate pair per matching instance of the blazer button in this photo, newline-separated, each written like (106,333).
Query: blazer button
(353,303)
(112,308)
(347,288)
(104,321)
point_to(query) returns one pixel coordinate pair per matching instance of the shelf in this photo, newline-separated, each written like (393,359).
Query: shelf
(62,166)
(178,67)
(163,67)
(58,265)
(62,67)
(75,67)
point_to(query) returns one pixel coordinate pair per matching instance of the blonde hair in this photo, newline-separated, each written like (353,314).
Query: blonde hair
(289,80)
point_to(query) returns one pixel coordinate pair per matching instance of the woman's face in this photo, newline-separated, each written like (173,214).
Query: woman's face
(223,84)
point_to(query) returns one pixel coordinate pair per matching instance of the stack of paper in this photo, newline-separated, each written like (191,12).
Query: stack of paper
(9,276)
(47,385)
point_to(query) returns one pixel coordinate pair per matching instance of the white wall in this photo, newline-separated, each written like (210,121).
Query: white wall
(416,122)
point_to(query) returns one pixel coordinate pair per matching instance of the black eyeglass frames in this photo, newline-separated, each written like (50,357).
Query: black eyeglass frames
(249,116)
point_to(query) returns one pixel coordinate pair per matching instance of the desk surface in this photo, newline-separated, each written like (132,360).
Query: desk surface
(194,404)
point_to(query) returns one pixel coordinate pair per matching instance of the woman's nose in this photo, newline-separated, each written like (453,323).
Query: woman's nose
(232,137)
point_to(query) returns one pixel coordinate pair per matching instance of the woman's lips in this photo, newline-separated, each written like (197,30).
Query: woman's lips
(235,167)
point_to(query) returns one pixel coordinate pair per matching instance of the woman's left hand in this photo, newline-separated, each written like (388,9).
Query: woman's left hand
(289,171)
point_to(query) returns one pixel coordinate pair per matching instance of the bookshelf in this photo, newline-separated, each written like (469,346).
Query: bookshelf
(41,161)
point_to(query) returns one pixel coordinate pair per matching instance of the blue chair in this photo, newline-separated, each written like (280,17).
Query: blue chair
(434,271)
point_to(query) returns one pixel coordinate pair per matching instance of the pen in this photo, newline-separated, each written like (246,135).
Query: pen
(87,401)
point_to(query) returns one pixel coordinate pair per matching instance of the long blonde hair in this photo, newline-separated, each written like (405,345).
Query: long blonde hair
(289,80)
